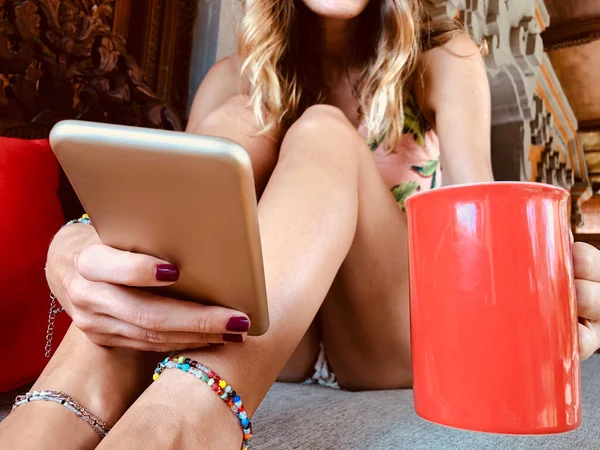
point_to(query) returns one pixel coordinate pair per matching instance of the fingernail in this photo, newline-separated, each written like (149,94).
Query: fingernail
(235,338)
(167,272)
(238,324)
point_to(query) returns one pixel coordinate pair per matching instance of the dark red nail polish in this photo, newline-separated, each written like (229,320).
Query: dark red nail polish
(238,324)
(235,338)
(167,272)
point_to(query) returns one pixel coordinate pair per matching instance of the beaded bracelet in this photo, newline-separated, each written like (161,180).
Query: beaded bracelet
(222,389)
(83,219)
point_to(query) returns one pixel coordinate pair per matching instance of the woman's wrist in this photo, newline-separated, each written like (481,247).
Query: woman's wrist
(73,238)
(67,243)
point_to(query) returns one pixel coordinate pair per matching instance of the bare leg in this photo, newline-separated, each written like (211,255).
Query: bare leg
(367,308)
(301,365)
(105,381)
(308,214)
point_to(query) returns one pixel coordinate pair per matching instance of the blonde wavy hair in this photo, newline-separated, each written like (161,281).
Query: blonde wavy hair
(277,49)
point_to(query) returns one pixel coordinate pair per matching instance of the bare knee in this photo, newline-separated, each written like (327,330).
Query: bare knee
(236,106)
(319,113)
(319,120)
(323,132)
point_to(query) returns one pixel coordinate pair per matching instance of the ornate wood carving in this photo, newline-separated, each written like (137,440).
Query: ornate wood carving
(60,60)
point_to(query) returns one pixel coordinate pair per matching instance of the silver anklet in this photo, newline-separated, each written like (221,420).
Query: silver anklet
(50,395)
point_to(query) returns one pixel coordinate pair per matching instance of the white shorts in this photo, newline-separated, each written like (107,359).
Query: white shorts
(323,375)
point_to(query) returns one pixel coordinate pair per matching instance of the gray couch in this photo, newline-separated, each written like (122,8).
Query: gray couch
(309,417)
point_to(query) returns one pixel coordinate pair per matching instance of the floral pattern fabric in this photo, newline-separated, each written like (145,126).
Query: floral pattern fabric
(415,164)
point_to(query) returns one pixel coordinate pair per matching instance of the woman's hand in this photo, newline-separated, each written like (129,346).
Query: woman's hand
(96,286)
(587,283)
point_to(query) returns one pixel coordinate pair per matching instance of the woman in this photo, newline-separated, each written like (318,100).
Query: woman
(333,231)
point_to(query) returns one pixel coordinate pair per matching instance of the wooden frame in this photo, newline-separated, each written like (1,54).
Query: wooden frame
(159,35)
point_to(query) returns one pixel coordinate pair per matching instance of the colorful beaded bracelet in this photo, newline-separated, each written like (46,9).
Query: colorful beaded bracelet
(223,390)
(83,219)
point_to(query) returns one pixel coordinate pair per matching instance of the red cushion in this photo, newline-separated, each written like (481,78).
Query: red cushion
(30,214)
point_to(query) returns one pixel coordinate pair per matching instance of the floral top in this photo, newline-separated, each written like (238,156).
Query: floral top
(415,163)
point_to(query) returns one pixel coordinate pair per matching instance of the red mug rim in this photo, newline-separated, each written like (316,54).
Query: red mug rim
(514,184)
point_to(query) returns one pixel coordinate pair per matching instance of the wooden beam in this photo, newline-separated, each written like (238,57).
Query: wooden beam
(592,239)
(572,34)
(589,125)
(592,160)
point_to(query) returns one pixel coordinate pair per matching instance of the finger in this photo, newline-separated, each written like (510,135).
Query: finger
(124,342)
(102,263)
(586,262)
(104,325)
(152,312)
(589,338)
(588,299)
(167,337)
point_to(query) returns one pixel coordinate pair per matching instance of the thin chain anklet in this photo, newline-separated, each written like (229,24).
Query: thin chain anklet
(51,395)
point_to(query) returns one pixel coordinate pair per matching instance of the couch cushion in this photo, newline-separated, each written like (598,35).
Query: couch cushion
(30,214)
(310,417)
(297,417)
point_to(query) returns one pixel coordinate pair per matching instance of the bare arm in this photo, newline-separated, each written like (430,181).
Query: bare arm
(454,95)
(220,109)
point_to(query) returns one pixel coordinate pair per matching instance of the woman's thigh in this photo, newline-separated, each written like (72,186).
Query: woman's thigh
(364,321)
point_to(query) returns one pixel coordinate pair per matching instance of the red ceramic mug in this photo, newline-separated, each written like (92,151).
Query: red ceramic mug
(493,310)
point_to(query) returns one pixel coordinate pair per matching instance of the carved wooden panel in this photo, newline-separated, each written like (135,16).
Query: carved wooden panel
(551,170)
(61,60)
